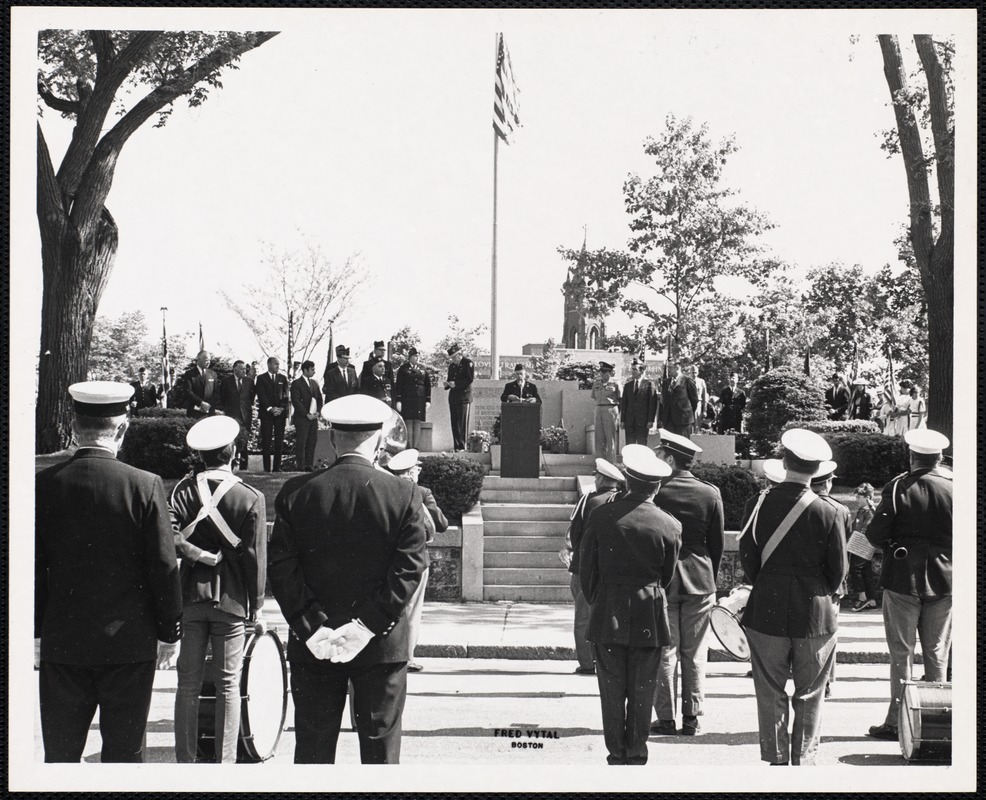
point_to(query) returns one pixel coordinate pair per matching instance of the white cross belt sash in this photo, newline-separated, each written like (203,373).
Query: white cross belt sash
(786,524)
(210,504)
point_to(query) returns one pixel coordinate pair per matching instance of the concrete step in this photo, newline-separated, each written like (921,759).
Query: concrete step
(522,559)
(567,470)
(529,594)
(528,484)
(525,528)
(527,511)
(521,496)
(529,544)
(514,576)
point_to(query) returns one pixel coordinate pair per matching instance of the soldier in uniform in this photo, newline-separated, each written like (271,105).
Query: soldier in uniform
(220,528)
(628,557)
(639,404)
(378,354)
(105,584)
(609,485)
(913,523)
(412,395)
(344,560)
(520,390)
(376,384)
(697,505)
(461,373)
(606,395)
(793,550)
(340,378)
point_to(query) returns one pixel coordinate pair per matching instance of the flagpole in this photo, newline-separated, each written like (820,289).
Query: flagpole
(494,351)
(165,376)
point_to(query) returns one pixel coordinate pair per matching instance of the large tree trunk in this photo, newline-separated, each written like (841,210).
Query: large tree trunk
(941,338)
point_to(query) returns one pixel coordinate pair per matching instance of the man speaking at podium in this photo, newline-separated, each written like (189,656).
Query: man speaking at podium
(520,390)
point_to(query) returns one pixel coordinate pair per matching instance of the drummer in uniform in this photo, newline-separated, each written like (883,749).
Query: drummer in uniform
(627,560)
(914,524)
(345,558)
(220,528)
(697,505)
(794,553)
(105,584)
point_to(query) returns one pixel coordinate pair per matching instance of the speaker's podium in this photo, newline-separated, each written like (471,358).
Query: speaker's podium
(520,440)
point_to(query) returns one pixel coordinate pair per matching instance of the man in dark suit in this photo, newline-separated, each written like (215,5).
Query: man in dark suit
(628,557)
(682,403)
(794,553)
(638,405)
(340,378)
(520,390)
(609,485)
(221,538)
(378,354)
(697,505)
(347,605)
(376,384)
(237,393)
(459,385)
(272,400)
(913,523)
(733,400)
(105,584)
(145,393)
(202,386)
(306,400)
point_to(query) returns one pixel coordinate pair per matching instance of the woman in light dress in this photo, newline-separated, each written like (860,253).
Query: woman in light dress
(917,410)
(898,416)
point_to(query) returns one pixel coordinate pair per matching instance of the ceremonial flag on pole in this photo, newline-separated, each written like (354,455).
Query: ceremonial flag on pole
(201,339)
(889,384)
(505,106)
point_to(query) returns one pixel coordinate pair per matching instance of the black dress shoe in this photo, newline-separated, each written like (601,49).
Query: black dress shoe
(690,726)
(585,670)
(883,731)
(664,727)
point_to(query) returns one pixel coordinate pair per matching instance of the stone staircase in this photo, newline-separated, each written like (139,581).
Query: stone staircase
(524,526)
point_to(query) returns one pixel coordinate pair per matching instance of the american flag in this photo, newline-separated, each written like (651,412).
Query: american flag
(889,384)
(505,118)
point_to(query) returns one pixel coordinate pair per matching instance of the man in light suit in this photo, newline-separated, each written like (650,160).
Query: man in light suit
(306,400)
(272,400)
(202,386)
(340,378)
(638,405)
(237,393)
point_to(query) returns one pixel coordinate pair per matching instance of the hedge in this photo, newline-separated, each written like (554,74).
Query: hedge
(157,444)
(736,485)
(835,426)
(778,397)
(455,482)
(871,457)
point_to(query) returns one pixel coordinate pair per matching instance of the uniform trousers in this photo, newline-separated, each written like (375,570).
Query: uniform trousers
(607,433)
(415,609)
(686,655)
(583,649)
(319,694)
(272,438)
(70,695)
(202,624)
(626,677)
(905,617)
(413,433)
(306,435)
(775,659)
(459,417)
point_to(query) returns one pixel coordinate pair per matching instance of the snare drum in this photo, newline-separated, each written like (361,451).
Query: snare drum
(725,622)
(264,699)
(925,722)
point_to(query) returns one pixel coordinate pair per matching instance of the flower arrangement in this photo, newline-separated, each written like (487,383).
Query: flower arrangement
(554,439)
(478,442)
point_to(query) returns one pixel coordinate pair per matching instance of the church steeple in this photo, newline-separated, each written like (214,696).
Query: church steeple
(579,332)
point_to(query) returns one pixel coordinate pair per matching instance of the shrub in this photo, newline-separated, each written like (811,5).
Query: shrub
(157,444)
(735,484)
(778,397)
(742,445)
(478,442)
(825,426)
(456,482)
(554,440)
(156,412)
(872,457)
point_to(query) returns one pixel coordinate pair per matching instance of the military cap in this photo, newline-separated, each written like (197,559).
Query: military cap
(356,412)
(454,349)
(773,468)
(342,350)
(413,351)
(605,366)
(603,467)
(642,463)
(101,398)
(404,460)
(212,433)
(680,444)
(378,345)
(926,441)
(825,471)
(806,445)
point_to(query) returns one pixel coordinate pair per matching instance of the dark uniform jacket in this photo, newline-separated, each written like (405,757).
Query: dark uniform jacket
(348,542)
(463,374)
(303,390)
(144,396)
(105,576)
(238,404)
(388,370)
(697,505)
(915,512)
(576,528)
(628,558)
(380,388)
(335,385)
(201,388)
(236,584)
(412,390)
(513,389)
(435,520)
(638,409)
(792,593)
(271,394)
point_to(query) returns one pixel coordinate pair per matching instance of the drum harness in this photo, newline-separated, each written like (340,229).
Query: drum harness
(210,503)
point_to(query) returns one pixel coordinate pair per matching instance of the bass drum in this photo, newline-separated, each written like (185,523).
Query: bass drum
(925,722)
(725,622)
(263,697)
